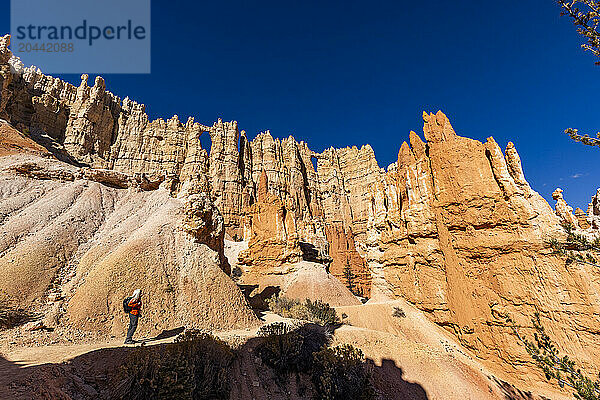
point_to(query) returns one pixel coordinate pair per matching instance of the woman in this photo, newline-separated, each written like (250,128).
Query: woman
(135,304)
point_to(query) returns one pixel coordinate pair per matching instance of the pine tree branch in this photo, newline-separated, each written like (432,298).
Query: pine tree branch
(585,139)
(546,357)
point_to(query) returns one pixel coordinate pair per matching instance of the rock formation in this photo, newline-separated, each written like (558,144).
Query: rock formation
(586,224)
(13,142)
(270,229)
(347,264)
(5,72)
(310,280)
(204,222)
(291,175)
(226,178)
(73,246)
(582,219)
(173,265)
(345,177)
(453,226)
(593,211)
(563,210)
(457,231)
(89,125)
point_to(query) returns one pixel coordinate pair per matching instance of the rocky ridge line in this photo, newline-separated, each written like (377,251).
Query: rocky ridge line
(453,226)
(93,127)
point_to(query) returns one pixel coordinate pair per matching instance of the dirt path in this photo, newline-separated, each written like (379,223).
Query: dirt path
(57,353)
(411,357)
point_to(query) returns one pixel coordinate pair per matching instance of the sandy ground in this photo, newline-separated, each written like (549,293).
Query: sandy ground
(412,353)
(57,353)
(300,280)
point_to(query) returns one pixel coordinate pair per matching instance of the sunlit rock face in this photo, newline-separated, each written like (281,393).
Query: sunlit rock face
(453,226)
(271,233)
(456,229)
(347,264)
(563,210)
(584,224)
(88,125)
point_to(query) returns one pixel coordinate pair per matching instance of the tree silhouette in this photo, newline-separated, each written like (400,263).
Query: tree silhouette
(350,277)
(585,15)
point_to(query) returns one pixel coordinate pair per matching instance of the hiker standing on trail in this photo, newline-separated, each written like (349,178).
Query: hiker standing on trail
(133,305)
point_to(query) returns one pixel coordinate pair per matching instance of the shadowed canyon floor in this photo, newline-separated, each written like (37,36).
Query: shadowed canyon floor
(411,358)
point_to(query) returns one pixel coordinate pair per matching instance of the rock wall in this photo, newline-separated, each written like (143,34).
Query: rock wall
(291,175)
(456,230)
(227,179)
(270,229)
(347,264)
(88,125)
(452,226)
(345,177)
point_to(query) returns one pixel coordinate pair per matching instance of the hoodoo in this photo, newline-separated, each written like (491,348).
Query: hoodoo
(97,200)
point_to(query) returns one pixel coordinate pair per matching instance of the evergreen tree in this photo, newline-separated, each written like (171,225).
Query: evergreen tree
(350,277)
(561,368)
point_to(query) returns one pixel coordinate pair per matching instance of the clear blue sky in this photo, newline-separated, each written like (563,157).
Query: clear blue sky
(348,73)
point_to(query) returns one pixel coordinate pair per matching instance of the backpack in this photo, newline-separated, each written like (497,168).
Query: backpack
(126,306)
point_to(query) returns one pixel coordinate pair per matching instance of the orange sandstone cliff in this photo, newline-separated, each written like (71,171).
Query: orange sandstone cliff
(457,231)
(453,226)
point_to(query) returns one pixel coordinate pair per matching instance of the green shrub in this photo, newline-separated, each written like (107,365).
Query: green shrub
(318,312)
(236,273)
(282,305)
(576,248)
(321,313)
(195,366)
(288,348)
(341,373)
(336,373)
(398,313)
(276,329)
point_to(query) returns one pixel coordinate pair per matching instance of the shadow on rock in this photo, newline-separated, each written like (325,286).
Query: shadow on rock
(512,393)
(258,301)
(390,384)
(167,333)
